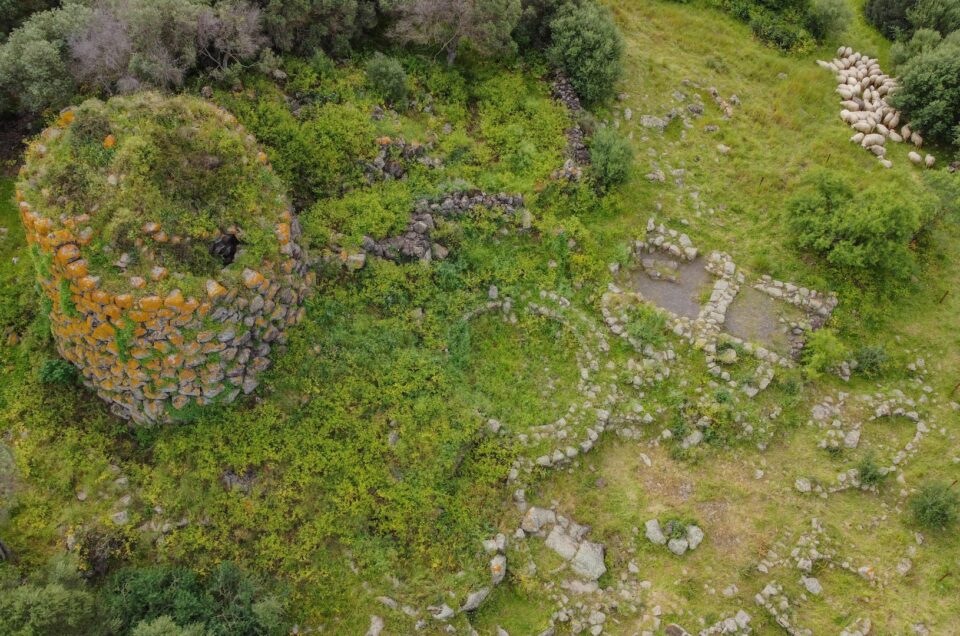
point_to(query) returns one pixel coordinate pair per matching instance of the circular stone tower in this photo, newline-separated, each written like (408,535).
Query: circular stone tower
(165,249)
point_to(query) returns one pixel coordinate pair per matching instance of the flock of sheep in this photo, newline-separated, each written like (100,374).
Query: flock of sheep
(864,89)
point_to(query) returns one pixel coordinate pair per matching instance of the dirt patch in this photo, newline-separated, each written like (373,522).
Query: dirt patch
(756,317)
(673,285)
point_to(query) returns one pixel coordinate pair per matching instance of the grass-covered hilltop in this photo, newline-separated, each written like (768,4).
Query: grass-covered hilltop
(516,317)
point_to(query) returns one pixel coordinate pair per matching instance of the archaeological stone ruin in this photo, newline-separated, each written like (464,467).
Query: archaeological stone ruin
(167,285)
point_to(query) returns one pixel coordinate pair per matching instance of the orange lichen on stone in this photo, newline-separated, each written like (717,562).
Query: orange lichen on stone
(174,299)
(150,303)
(215,289)
(142,348)
(253,279)
(68,253)
(77,269)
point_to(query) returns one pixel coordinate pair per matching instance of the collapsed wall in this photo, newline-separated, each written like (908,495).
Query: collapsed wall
(165,251)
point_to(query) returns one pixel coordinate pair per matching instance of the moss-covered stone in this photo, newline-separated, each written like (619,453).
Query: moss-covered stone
(124,202)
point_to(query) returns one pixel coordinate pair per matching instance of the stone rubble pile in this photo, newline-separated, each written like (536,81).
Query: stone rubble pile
(864,90)
(393,156)
(692,535)
(146,347)
(841,431)
(578,155)
(416,243)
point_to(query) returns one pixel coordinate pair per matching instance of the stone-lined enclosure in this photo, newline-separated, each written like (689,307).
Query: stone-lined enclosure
(864,89)
(162,301)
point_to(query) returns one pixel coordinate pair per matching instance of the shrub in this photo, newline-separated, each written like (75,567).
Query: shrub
(929,95)
(870,472)
(56,602)
(589,48)
(226,602)
(939,15)
(611,157)
(935,506)
(387,77)
(823,352)
(866,235)
(303,26)
(14,12)
(122,46)
(923,40)
(57,371)
(872,360)
(450,24)
(828,18)
(776,29)
(890,16)
(34,69)
(164,626)
(647,325)
(533,28)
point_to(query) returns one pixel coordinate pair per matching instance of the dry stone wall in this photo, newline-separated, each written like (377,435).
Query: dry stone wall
(147,349)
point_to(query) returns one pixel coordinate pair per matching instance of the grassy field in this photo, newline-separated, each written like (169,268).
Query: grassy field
(373,474)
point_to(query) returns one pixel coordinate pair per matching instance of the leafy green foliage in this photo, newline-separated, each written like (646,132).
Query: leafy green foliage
(14,12)
(303,26)
(318,152)
(225,602)
(588,47)
(872,361)
(940,15)
(611,157)
(929,92)
(56,601)
(935,506)
(867,234)
(890,16)
(165,626)
(870,472)
(34,61)
(57,371)
(647,325)
(484,27)
(828,18)
(923,40)
(387,77)
(822,352)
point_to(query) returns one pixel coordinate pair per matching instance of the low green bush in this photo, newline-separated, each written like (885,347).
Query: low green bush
(387,77)
(867,235)
(611,157)
(828,18)
(57,371)
(589,48)
(935,506)
(929,93)
(890,16)
(870,472)
(822,352)
(226,602)
(872,360)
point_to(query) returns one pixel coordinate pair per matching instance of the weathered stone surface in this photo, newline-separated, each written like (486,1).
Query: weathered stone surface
(588,561)
(147,349)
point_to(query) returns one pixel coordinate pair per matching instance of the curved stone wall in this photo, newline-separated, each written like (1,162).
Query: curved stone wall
(147,348)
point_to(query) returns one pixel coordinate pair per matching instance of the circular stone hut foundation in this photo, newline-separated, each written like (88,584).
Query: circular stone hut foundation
(165,250)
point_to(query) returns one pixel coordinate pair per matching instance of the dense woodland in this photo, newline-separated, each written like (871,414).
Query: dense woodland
(470,182)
